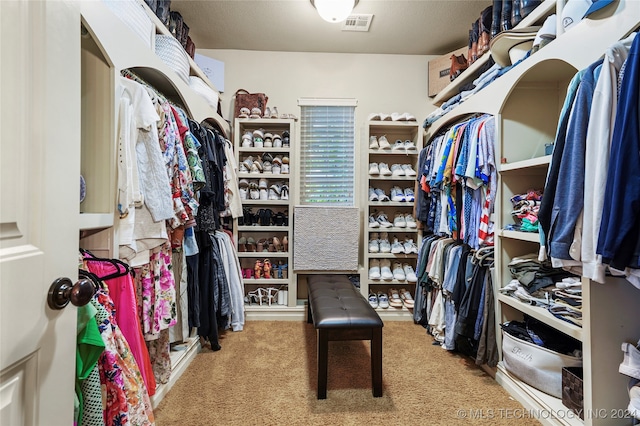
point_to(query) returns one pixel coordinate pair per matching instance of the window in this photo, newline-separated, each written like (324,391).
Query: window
(327,152)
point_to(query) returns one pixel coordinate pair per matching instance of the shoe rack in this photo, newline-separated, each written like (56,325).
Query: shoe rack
(395,157)
(264,154)
(526,102)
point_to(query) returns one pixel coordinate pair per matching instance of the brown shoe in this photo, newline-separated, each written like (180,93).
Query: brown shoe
(458,64)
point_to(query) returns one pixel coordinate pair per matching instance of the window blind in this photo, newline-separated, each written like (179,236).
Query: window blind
(327,154)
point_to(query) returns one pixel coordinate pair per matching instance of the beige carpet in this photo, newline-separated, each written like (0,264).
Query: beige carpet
(266,375)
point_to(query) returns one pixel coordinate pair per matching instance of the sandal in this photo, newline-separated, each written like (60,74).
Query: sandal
(242,244)
(266,268)
(257,269)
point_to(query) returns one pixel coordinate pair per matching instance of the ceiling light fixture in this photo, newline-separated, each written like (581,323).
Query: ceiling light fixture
(334,10)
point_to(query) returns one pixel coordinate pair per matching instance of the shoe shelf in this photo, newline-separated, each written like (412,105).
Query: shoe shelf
(255,229)
(387,161)
(271,228)
(266,202)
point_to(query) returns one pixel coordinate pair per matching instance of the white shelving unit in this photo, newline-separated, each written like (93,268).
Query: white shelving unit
(266,231)
(526,102)
(392,130)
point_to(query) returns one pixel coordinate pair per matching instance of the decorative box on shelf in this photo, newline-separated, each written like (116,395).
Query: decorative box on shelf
(439,71)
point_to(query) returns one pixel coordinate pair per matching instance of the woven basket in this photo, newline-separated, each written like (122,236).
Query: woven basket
(170,51)
(133,15)
(200,87)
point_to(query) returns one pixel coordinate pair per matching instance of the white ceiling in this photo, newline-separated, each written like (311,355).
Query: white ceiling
(410,27)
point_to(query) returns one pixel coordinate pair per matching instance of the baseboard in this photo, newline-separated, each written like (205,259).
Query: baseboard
(180,360)
(538,405)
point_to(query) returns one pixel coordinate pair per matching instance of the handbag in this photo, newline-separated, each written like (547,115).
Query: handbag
(244,99)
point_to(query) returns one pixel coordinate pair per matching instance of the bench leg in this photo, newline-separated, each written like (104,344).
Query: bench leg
(323,354)
(376,362)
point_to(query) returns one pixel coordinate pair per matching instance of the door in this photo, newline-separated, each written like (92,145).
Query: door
(39,207)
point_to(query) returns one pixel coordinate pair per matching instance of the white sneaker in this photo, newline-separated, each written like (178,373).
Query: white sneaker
(396,247)
(409,195)
(374,169)
(374,269)
(274,192)
(409,145)
(264,194)
(372,195)
(374,243)
(383,300)
(373,142)
(397,170)
(411,222)
(630,365)
(381,195)
(373,300)
(397,195)
(409,117)
(385,270)
(373,223)
(398,273)
(396,116)
(409,273)
(263,183)
(408,170)
(384,169)
(410,247)
(385,117)
(399,221)
(385,246)
(383,220)
(275,168)
(398,146)
(383,143)
(374,116)
(243,193)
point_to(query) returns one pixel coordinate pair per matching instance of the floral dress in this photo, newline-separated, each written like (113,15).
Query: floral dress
(125,395)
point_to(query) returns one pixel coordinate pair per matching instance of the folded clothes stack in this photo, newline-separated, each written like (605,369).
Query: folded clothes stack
(525,211)
(562,299)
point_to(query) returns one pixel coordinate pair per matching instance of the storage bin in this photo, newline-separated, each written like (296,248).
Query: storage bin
(572,390)
(170,51)
(439,71)
(535,365)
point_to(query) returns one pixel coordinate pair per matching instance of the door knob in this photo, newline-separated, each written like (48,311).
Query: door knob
(63,291)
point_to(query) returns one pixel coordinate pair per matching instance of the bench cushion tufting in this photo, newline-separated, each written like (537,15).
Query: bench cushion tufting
(336,303)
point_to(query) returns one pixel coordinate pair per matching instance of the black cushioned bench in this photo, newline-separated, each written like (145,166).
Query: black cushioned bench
(339,312)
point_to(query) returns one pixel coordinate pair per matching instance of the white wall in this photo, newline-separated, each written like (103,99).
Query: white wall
(380,83)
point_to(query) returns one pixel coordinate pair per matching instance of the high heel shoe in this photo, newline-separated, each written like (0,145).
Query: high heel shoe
(242,244)
(271,295)
(266,268)
(257,269)
(285,243)
(251,244)
(276,244)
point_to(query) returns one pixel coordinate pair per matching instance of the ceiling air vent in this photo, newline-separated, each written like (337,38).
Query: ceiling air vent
(357,22)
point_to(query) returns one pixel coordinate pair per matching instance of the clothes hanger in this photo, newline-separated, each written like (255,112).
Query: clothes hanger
(121,267)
